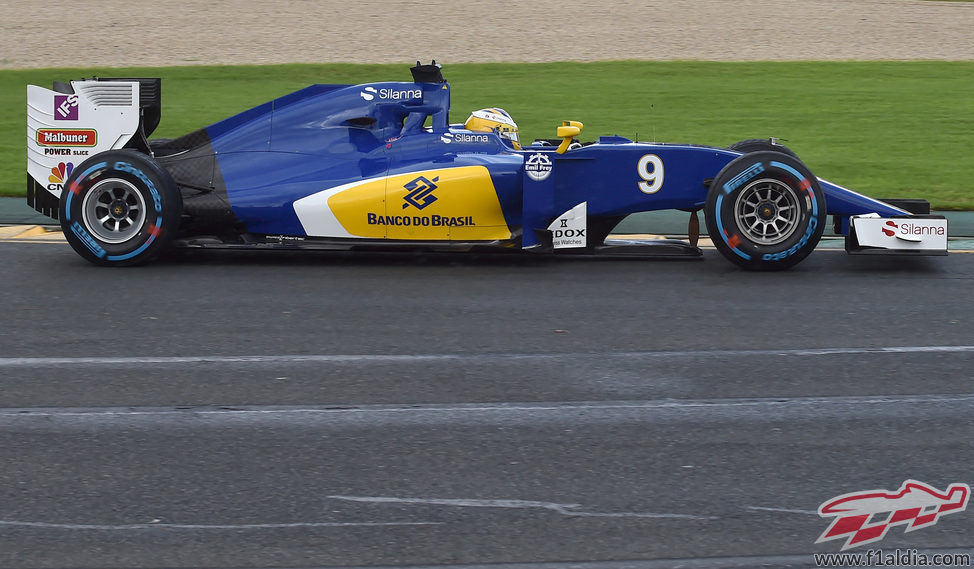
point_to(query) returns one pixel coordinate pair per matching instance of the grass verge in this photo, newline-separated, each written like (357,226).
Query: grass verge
(887,129)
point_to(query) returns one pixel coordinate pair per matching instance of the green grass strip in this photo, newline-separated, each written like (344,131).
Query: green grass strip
(887,129)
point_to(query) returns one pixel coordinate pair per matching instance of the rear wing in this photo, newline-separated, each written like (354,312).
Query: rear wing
(72,121)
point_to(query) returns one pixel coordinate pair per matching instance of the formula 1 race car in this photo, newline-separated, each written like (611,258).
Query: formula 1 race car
(380,166)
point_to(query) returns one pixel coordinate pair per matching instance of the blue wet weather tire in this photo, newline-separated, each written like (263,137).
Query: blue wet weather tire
(765,211)
(120,208)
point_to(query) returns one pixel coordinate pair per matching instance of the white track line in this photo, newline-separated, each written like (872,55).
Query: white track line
(782,510)
(470,409)
(406,358)
(564,509)
(129,527)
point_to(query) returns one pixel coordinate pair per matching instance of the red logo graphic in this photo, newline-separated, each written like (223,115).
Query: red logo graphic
(915,503)
(890,232)
(67,137)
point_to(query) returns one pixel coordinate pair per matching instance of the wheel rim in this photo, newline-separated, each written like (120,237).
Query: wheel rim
(114,210)
(767,211)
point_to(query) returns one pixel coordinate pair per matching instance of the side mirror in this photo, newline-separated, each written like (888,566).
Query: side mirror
(567,131)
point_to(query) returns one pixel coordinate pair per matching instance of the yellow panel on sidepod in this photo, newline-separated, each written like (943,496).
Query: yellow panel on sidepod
(433,205)
(349,207)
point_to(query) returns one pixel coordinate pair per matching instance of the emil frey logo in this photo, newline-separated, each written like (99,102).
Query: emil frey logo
(59,174)
(538,167)
(865,517)
(66,107)
(420,192)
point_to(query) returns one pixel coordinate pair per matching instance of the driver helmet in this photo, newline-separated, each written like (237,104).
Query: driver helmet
(494,120)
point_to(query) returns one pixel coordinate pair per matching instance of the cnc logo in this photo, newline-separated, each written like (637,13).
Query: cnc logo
(420,192)
(865,517)
(58,175)
(66,107)
(890,232)
(538,167)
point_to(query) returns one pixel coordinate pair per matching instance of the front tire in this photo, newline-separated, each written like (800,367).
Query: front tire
(759,145)
(119,208)
(765,211)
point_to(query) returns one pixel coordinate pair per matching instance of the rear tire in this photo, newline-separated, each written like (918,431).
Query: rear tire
(119,208)
(765,211)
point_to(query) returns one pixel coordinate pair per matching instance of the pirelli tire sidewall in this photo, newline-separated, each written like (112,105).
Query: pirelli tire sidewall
(134,183)
(765,211)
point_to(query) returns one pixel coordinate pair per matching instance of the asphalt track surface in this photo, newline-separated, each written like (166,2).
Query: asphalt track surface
(254,410)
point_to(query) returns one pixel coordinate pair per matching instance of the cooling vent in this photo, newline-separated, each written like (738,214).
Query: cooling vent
(102,95)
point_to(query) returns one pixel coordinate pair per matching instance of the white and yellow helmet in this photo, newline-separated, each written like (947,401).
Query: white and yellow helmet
(494,120)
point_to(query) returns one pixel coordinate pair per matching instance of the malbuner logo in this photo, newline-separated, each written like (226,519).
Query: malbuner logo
(67,137)
(865,517)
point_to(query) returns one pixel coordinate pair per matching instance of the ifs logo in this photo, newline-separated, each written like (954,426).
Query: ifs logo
(865,517)
(420,192)
(66,107)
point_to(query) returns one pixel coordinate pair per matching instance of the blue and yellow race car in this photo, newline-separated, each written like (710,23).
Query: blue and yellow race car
(380,165)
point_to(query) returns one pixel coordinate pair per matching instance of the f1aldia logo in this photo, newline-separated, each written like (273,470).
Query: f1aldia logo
(420,192)
(865,517)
